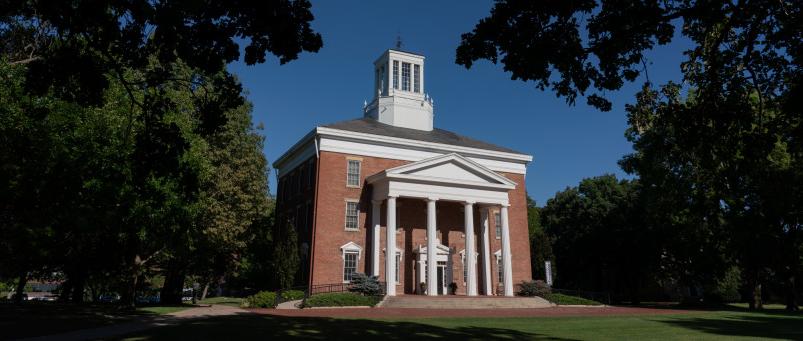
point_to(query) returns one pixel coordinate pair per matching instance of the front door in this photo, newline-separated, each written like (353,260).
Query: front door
(441,276)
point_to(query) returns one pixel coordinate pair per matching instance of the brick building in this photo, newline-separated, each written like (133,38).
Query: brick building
(390,195)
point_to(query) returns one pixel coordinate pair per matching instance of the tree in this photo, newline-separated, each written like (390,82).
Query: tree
(720,166)
(600,239)
(540,242)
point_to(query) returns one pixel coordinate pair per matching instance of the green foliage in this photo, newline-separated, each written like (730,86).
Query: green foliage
(561,299)
(533,288)
(262,299)
(292,295)
(341,299)
(285,255)
(365,284)
(726,289)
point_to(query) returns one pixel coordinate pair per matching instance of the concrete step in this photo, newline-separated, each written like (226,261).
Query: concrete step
(463,302)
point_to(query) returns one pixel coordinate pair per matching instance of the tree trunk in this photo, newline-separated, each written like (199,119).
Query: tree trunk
(23,279)
(79,284)
(755,298)
(791,294)
(173,288)
(66,290)
(206,290)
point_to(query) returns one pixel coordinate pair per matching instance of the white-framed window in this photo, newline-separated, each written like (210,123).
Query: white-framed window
(405,76)
(416,78)
(398,267)
(395,74)
(498,224)
(352,215)
(500,274)
(351,259)
(353,173)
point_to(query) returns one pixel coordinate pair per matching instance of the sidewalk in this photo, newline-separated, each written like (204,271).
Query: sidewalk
(143,324)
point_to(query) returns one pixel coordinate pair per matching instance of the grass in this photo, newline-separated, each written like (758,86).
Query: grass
(561,299)
(710,325)
(34,318)
(222,300)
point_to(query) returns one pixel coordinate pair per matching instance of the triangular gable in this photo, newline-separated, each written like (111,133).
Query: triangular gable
(450,167)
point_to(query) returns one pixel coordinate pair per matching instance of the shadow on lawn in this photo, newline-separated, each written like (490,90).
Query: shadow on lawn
(755,324)
(251,326)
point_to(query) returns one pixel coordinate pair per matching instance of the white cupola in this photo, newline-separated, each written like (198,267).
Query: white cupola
(399,92)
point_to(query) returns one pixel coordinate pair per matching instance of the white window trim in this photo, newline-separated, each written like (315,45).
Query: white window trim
(346,214)
(359,172)
(400,253)
(350,247)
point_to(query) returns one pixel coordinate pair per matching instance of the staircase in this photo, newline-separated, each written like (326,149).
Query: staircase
(463,302)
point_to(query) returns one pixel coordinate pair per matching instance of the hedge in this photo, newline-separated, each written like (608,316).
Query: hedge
(292,295)
(262,299)
(341,299)
(562,299)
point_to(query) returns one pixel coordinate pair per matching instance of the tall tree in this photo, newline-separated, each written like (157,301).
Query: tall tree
(722,163)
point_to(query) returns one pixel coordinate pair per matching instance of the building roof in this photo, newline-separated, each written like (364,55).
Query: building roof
(370,126)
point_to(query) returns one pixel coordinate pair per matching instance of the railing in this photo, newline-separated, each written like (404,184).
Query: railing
(336,287)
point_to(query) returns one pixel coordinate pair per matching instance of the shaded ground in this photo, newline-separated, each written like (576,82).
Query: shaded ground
(496,312)
(659,325)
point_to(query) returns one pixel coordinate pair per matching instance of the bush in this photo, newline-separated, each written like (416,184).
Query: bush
(534,288)
(262,299)
(341,299)
(726,289)
(562,299)
(366,285)
(292,295)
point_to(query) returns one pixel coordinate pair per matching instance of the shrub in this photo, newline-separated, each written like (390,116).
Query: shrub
(366,285)
(262,299)
(562,299)
(726,289)
(534,288)
(292,295)
(341,299)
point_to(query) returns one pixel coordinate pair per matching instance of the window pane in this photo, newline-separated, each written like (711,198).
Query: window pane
(351,216)
(499,270)
(349,265)
(498,224)
(353,176)
(465,269)
(405,76)
(395,74)
(398,265)
(417,78)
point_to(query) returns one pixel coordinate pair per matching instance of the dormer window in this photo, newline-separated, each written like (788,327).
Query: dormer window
(405,76)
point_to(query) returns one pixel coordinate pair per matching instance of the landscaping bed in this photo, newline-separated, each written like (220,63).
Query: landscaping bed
(341,299)
(562,299)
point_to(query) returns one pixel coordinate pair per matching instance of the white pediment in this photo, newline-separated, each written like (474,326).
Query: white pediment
(449,168)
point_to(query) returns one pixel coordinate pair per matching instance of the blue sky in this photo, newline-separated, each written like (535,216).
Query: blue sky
(568,142)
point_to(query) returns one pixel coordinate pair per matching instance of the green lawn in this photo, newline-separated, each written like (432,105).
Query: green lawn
(164,310)
(230,301)
(725,325)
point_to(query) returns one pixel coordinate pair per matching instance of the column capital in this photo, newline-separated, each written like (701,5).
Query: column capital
(432,199)
(376,201)
(506,205)
(469,202)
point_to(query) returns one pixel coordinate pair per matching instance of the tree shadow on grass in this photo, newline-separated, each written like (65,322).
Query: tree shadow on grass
(755,324)
(251,326)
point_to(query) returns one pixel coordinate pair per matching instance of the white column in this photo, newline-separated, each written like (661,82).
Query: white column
(390,248)
(471,284)
(506,260)
(486,251)
(432,263)
(376,210)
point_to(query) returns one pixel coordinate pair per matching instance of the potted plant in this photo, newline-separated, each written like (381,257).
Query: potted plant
(453,288)
(422,288)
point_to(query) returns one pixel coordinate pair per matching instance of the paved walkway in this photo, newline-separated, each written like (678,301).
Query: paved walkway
(143,324)
(517,312)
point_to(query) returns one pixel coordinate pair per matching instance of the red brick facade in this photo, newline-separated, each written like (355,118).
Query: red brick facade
(323,229)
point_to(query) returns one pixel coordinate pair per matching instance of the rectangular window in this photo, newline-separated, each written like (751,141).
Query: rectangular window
(352,216)
(395,74)
(353,173)
(398,266)
(349,265)
(498,224)
(499,273)
(405,76)
(311,172)
(417,78)
(465,269)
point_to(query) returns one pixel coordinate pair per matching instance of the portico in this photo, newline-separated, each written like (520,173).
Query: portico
(449,178)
